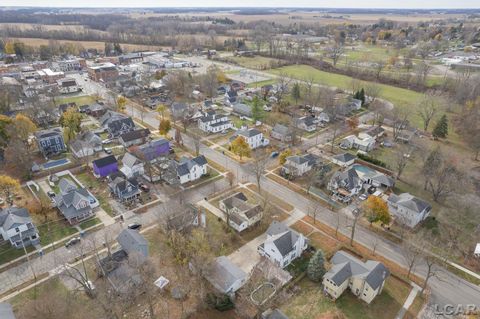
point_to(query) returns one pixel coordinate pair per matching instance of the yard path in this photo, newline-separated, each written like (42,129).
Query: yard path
(104,217)
(408,302)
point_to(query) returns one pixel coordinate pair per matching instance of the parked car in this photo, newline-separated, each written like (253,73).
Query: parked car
(144,187)
(107,151)
(51,194)
(363,197)
(72,242)
(135,226)
(274,154)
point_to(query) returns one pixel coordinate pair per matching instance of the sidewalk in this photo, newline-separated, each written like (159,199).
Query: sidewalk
(408,302)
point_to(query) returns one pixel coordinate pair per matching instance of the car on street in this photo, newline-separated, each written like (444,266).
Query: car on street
(363,197)
(274,154)
(134,226)
(107,150)
(51,194)
(72,242)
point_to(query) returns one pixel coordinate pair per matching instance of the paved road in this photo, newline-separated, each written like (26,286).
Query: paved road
(24,272)
(447,288)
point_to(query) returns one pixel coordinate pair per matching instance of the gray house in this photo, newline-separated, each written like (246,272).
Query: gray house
(123,188)
(133,243)
(226,276)
(242,109)
(6,311)
(282,133)
(116,124)
(74,202)
(86,144)
(17,227)
(408,209)
(136,137)
(50,142)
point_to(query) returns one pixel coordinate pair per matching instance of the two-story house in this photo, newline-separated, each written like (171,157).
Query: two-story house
(73,202)
(189,170)
(306,123)
(239,212)
(50,142)
(365,279)
(154,150)
(86,144)
(17,227)
(408,209)
(282,133)
(116,124)
(104,166)
(298,165)
(283,245)
(136,137)
(211,122)
(253,137)
(132,166)
(124,188)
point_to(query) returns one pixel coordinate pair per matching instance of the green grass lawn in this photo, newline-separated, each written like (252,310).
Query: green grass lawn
(310,303)
(54,231)
(257,62)
(9,253)
(89,223)
(402,98)
(98,189)
(79,100)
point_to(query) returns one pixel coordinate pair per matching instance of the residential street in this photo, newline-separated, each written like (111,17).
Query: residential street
(447,287)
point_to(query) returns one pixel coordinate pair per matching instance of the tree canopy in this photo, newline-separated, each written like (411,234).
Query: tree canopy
(240,147)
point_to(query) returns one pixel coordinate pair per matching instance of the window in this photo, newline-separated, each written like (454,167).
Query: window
(17,229)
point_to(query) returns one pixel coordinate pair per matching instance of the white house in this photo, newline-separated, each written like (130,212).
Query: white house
(132,166)
(226,276)
(306,123)
(298,165)
(365,279)
(408,209)
(241,214)
(86,144)
(189,170)
(253,137)
(211,122)
(282,245)
(477,251)
(67,85)
(17,227)
(362,142)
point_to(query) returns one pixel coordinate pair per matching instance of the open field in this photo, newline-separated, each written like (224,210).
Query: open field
(399,97)
(35,42)
(257,62)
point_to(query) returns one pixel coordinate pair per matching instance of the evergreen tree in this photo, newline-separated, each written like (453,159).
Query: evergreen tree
(361,96)
(257,111)
(441,129)
(316,267)
(296,92)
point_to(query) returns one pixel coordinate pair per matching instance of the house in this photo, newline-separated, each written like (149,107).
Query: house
(298,165)
(17,227)
(132,166)
(252,136)
(406,135)
(67,85)
(350,106)
(226,276)
(187,219)
(306,123)
(408,209)
(350,182)
(96,110)
(322,117)
(363,142)
(189,170)
(375,132)
(136,137)
(178,110)
(344,160)
(283,245)
(231,97)
(6,311)
(365,279)
(282,133)
(242,110)
(50,142)
(73,202)
(153,150)
(133,243)
(476,253)
(130,58)
(211,122)
(104,166)
(241,213)
(124,188)
(116,124)
(86,144)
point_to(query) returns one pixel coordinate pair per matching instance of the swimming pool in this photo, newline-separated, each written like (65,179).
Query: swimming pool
(55,163)
(363,169)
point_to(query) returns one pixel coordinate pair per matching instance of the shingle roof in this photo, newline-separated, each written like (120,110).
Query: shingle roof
(285,237)
(13,216)
(345,157)
(409,201)
(105,161)
(130,160)
(223,274)
(132,241)
(134,135)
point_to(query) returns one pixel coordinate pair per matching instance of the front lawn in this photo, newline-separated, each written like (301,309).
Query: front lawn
(9,253)
(89,223)
(54,231)
(98,188)
(79,100)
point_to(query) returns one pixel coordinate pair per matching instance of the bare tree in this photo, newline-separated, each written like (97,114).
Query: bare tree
(445,181)
(372,91)
(375,242)
(283,83)
(431,268)
(196,138)
(356,215)
(427,109)
(410,253)
(335,53)
(258,165)
(400,121)
(402,156)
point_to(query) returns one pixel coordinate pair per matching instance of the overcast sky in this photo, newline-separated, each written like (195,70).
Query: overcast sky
(249,3)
